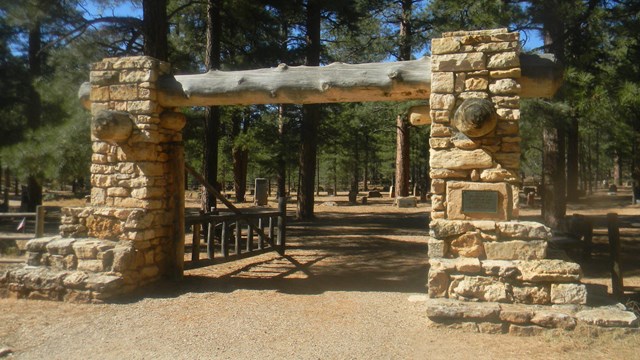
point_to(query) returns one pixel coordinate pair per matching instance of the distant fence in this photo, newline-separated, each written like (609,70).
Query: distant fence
(39,224)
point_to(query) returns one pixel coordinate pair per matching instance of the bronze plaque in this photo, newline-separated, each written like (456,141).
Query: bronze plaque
(480,201)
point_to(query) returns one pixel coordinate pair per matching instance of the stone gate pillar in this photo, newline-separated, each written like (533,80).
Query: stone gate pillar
(477,248)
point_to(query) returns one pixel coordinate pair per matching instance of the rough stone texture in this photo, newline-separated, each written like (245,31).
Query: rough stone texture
(530,330)
(443,309)
(523,230)
(549,271)
(516,250)
(568,294)
(456,159)
(406,202)
(468,245)
(479,288)
(500,268)
(552,319)
(438,283)
(535,294)
(458,62)
(608,317)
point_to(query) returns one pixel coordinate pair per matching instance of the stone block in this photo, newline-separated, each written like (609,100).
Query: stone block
(534,294)
(491,328)
(441,46)
(504,87)
(437,202)
(438,186)
(104,283)
(468,245)
(608,317)
(515,314)
(497,46)
(523,230)
(442,264)
(568,294)
(447,309)
(462,142)
(553,319)
(441,102)
(508,114)
(456,159)
(438,130)
(448,174)
(458,62)
(76,280)
(455,206)
(406,202)
(503,60)
(526,330)
(549,270)
(475,84)
(500,268)
(94,266)
(40,244)
(61,246)
(479,288)
(516,250)
(499,175)
(437,283)
(440,143)
(468,265)
(442,82)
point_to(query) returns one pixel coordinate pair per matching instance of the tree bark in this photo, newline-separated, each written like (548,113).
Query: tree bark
(310,119)
(573,146)
(403,164)
(212,113)
(240,160)
(155,27)
(553,177)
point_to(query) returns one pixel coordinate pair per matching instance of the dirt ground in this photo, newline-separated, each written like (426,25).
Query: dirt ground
(347,288)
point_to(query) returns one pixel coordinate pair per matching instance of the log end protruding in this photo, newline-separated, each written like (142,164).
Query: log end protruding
(173,120)
(112,126)
(475,117)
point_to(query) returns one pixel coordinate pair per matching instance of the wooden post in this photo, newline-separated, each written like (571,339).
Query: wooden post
(195,247)
(249,237)
(238,239)
(260,234)
(211,239)
(224,242)
(617,284)
(282,220)
(40,221)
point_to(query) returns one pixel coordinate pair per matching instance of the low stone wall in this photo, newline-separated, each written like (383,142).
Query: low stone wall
(529,319)
(499,262)
(69,269)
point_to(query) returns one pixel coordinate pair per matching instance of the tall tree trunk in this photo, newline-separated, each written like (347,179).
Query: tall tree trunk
(310,119)
(365,165)
(553,179)
(402,134)
(240,159)
(617,169)
(402,156)
(282,149)
(156,27)
(212,113)
(34,110)
(573,146)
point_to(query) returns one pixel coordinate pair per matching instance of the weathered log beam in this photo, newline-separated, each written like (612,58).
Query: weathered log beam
(300,85)
(395,81)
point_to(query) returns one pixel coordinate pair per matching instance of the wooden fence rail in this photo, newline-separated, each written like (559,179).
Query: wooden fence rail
(236,232)
(39,221)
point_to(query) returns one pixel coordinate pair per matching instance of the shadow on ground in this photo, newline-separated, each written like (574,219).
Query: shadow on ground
(336,252)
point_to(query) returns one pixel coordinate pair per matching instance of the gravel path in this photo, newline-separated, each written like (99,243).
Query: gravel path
(348,298)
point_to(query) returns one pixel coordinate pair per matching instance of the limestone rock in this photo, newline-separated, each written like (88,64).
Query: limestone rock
(552,319)
(479,288)
(40,244)
(608,317)
(568,294)
(530,330)
(503,60)
(468,265)
(515,314)
(516,250)
(456,159)
(438,283)
(61,246)
(104,283)
(504,87)
(440,264)
(447,174)
(441,102)
(86,249)
(442,82)
(91,266)
(75,280)
(468,245)
(534,294)
(491,328)
(445,228)
(445,46)
(498,174)
(406,202)
(436,248)
(549,270)
(523,230)
(458,62)
(443,309)
(501,268)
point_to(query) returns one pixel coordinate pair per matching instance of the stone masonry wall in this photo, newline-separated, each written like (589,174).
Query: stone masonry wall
(478,250)
(128,232)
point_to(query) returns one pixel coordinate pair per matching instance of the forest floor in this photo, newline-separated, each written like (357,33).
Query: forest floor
(349,287)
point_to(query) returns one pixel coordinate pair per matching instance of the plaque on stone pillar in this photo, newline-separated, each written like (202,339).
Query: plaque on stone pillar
(480,201)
